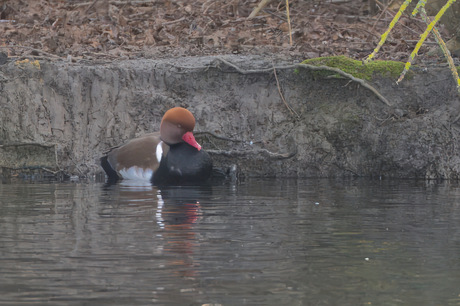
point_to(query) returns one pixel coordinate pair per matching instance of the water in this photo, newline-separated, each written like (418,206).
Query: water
(261,242)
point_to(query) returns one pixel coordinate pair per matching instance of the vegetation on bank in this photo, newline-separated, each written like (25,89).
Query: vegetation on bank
(356,68)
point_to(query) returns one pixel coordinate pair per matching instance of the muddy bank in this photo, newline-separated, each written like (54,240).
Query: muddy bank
(62,116)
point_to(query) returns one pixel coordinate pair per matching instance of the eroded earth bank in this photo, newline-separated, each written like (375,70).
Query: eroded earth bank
(59,116)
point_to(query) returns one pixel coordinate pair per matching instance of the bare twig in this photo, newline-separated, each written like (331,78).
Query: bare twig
(289,22)
(22,144)
(281,94)
(51,171)
(242,71)
(233,153)
(378,18)
(261,5)
(273,14)
(173,22)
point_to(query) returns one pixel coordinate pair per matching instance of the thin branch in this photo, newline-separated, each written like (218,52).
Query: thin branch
(22,144)
(235,153)
(281,95)
(379,18)
(261,5)
(51,171)
(289,22)
(173,22)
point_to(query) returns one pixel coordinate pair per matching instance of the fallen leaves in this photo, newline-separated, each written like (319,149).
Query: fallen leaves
(135,28)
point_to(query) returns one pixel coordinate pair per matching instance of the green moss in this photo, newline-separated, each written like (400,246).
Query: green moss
(357,68)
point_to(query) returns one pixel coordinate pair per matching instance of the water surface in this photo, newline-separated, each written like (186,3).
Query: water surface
(260,242)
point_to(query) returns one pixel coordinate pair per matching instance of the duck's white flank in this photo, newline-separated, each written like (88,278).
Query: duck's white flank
(136,173)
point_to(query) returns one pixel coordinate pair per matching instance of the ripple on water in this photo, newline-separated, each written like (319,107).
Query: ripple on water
(272,242)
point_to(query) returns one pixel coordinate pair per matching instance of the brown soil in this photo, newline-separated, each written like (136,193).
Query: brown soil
(76,29)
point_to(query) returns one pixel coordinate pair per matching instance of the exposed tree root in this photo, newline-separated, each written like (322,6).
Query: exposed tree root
(308,67)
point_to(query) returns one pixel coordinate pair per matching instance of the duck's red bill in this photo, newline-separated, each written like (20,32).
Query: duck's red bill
(190,139)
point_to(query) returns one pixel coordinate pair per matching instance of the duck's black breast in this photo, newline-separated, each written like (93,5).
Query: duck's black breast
(183,164)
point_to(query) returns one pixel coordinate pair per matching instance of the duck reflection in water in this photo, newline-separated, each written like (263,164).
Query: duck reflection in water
(175,211)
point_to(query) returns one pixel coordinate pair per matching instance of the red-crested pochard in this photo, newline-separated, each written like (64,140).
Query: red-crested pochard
(171,156)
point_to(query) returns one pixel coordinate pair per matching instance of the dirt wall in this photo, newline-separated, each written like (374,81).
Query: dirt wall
(333,127)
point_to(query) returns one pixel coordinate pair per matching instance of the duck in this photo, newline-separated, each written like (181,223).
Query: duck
(171,156)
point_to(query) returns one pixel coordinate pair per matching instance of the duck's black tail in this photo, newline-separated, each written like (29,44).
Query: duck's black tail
(112,174)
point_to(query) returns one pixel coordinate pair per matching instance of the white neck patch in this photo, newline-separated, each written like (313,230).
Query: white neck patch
(159,151)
